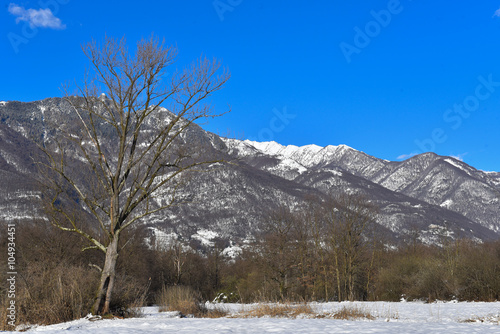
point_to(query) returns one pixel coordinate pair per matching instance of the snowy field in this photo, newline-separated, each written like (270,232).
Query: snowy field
(404,317)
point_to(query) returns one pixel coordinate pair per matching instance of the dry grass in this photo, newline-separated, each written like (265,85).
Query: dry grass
(179,298)
(278,311)
(352,313)
(187,302)
(135,309)
(215,313)
(290,310)
(129,297)
(51,295)
(491,319)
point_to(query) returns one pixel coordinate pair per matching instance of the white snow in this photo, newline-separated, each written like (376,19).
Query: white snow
(2,103)
(20,129)
(334,171)
(447,204)
(205,237)
(457,164)
(11,159)
(15,195)
(297,158)
(163,240)
(434,226)
(287,164)
(232,251)
(400,317)
(297,153)
(268,147)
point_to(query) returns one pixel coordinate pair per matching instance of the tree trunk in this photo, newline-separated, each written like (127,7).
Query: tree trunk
(370,268)
(325,280)
(351,278)
(103,298)
(337,271)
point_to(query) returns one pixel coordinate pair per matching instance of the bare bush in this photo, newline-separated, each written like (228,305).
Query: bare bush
(187,302)
(51,295)
(352,313)
(180,298)
(286,310)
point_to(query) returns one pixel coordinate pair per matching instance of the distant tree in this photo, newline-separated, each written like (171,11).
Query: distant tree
(314,218)
(279,249)
(348,217)
(178,259)
(145,158)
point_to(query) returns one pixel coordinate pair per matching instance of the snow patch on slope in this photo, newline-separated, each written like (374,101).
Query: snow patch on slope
(162,240)
(457,164)
(232,251)
(447,204)
(205,237)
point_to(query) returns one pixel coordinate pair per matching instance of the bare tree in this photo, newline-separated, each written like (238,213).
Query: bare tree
(279,248)
(145,159)
(179,259)
(349,217)
(314,216)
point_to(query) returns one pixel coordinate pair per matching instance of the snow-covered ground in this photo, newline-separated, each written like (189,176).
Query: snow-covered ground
(401,317)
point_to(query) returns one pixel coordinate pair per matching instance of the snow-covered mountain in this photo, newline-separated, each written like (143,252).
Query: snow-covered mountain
(427,194)
(436,180)
(409,189)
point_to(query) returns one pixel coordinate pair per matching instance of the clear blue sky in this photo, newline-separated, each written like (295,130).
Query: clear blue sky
(390,78)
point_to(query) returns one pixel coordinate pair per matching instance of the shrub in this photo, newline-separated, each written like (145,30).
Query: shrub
(186,301)
(51,295)
(352,313)
(180,298)
(394,280)
(430,282)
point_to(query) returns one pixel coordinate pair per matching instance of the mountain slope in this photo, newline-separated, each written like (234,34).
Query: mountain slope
(431,194)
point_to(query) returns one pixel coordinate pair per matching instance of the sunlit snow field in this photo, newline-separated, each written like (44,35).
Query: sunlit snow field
(403,317)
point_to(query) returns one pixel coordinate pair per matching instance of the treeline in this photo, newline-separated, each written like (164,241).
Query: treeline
(326,251)
(460,270)
(334,251)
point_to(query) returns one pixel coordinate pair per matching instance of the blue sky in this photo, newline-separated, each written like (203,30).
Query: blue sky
(390,78)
